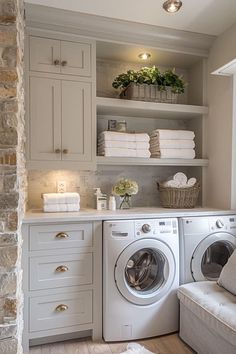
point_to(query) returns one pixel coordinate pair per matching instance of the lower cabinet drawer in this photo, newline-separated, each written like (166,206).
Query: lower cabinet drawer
(49,272)
(62,310)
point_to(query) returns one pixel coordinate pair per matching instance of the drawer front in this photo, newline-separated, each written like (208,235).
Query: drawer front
(76,58)
(60,236)
(59,271)
(62,310)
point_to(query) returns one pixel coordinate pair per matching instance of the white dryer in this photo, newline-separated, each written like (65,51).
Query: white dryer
(140,278)
(206,243)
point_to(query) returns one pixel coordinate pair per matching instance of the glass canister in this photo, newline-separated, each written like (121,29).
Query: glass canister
(121,126)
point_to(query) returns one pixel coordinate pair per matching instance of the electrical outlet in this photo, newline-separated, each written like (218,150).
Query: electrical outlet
(61,186)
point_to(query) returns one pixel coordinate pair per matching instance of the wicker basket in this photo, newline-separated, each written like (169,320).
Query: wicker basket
(178,197)
(149,93)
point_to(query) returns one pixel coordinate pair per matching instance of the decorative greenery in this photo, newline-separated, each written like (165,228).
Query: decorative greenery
(151,76)
(125,187)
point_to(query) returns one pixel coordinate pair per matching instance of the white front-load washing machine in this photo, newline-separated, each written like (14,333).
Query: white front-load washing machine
(206,243)
(140,278)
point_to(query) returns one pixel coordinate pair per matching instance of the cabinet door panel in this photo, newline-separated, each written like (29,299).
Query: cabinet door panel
(45,118)
(77,57)
(43,53)
(76,121)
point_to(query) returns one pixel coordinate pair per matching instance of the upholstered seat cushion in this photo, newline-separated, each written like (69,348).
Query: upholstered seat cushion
(212,304)
(227,277)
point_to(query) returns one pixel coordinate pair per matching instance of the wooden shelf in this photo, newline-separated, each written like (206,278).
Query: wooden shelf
(131,161)
(140,109)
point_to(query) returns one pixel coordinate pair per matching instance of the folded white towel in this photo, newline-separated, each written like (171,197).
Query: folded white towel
(167,134)
(61,198)
(119,152)
(109,135)
(171,144)
(55,208)
(135,348)
(175,154)
(124,144)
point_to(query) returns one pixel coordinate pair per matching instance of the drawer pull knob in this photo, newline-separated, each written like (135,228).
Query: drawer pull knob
(56,62)
(62,269)
(61,308)
(57,151)
(65,151)
(62,235)
(64,63)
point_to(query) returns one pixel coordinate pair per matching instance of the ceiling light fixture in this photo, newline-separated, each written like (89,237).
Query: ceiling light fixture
(172,6)
(144,56)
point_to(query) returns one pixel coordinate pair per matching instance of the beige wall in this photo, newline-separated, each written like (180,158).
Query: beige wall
(220,123)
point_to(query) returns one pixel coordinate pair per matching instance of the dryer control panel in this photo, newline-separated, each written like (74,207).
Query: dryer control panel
(155,227)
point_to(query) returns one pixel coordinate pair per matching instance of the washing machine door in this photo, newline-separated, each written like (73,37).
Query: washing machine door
(145,271)
(211,254)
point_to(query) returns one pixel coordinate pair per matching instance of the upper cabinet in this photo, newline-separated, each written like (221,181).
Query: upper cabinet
(61,57)
(61,113)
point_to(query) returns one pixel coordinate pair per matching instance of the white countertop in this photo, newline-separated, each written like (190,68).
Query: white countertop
(38,216)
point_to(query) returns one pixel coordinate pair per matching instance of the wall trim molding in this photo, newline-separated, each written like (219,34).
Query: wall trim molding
(120,31)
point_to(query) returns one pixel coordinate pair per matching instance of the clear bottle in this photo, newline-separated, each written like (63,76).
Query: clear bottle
(112,203)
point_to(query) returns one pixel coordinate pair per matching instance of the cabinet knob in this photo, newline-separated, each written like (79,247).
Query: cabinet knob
(56,62)
(61,235)
(61,269)
(65,151)
(61,308)
(57,151)
(63,63)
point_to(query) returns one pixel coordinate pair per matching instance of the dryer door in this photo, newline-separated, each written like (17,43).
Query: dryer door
(211,254)
(145,271)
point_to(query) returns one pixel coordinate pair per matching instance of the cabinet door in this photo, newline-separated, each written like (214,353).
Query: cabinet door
(45,119)
(45,55)
(76,121)
(75,58)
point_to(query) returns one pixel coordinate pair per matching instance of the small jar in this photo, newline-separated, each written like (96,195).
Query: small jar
(112,203)
(121,126)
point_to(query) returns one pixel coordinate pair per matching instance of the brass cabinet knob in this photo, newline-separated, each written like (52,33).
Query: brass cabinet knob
(61,235)
(65,151)
(64,63)
(57,151)
(62,269)
(61,308)
(56,62)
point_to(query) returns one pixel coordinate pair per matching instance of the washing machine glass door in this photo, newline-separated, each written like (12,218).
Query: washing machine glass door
(211,255)
(145,271)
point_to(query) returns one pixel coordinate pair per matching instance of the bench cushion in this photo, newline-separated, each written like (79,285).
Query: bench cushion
(212,304)
(227,277)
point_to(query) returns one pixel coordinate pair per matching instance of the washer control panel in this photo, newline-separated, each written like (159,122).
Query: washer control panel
(155,227)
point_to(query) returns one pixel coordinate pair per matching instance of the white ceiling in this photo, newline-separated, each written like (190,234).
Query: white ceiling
(203,16)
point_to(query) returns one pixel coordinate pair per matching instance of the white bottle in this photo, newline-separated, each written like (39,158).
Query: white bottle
(112,203)
(101,199)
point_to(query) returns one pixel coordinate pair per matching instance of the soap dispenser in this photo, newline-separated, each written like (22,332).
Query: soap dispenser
(101,199)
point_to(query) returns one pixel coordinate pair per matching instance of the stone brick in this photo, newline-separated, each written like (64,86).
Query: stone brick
(8,76)
(8,256)
(9,183)
(10,307)
(7,92)
(8,346)
(7,331)
(8,8)
(9,137)
(7,239)
(8,158)
(9,201)
(9,106)
(7,36)
(8,283)
(12,221)
(7,19)
(8,120)
(9,57)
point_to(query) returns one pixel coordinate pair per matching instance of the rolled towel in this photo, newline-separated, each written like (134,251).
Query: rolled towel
(55,208)
(119,152)
(175,154)
(180,178)
(61,198)
(191,182)
(109,135)
(168,134)
(172,183)
(124,144)
(171,144)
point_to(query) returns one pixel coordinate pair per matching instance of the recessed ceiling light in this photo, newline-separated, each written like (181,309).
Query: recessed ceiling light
(144,56)
(172,5)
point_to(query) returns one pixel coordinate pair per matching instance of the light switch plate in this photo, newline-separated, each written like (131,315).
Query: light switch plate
(61,186)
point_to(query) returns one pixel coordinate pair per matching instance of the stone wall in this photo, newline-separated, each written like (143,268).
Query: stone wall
(12,173)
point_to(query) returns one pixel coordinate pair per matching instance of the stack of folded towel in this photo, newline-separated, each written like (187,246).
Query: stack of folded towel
(56,202)
(180,180)
(172,144)
(123,144)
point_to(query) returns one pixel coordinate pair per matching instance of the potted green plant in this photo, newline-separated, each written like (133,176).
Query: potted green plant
(149,84)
